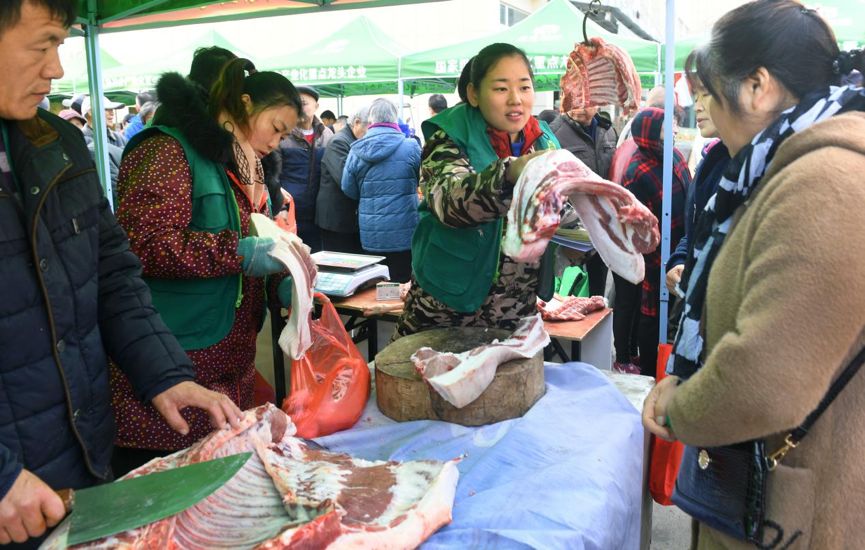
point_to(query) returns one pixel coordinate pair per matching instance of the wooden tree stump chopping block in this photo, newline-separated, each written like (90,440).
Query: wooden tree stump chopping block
(402,394)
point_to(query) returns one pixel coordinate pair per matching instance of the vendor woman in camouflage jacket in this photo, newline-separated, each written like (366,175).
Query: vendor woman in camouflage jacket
(474,154)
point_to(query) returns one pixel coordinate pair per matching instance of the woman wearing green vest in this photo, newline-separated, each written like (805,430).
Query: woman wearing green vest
(474,154)
(187,188)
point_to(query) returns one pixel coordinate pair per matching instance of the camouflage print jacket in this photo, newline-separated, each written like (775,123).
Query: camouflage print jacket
(459,197)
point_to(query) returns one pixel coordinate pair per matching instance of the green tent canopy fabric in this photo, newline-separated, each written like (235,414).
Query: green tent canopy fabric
(359,58)
(138,74)
(547,36)
(122,15)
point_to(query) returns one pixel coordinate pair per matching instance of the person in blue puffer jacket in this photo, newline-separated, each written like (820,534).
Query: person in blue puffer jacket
(382,172)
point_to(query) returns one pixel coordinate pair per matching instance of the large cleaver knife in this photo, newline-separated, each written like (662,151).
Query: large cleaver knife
(129,503)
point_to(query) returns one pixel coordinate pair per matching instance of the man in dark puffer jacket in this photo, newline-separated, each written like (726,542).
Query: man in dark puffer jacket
(70,295)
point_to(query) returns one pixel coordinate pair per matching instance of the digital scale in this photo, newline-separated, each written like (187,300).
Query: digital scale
(341,274)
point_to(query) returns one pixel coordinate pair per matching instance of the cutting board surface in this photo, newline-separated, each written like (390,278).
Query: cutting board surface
(402,395)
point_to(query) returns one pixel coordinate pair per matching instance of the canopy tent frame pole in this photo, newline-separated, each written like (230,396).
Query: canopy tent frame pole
(97,111)
(400,87)
(666,202)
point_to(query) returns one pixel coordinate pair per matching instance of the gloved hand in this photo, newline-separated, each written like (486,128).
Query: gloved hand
(256,262)
(283,292)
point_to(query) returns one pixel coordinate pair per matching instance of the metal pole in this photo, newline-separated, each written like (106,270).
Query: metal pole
(97,111)
(400,90)
(666,203)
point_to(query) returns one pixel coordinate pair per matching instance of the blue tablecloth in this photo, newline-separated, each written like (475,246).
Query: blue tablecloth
(568,474)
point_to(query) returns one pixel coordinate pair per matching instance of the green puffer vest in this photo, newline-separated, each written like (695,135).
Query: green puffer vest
(196,310)
(458,265)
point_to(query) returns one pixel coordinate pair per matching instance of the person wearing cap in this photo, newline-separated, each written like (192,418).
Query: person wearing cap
(137,122)
(114,138)
(74,103)
(72,296)
(302,151)
(73,117)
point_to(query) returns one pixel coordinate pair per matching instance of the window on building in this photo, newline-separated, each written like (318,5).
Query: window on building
(509,15)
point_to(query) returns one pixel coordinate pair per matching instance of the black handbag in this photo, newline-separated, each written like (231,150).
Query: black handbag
(725,487)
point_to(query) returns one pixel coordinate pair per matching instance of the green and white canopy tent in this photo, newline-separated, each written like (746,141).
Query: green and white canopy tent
(547,36)
(97,17)
(357,59)
(128,66)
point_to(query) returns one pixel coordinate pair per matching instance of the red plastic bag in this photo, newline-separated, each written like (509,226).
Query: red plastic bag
(666,456)
(330,383)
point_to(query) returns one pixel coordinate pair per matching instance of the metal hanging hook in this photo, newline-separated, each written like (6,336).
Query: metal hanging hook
(594,10)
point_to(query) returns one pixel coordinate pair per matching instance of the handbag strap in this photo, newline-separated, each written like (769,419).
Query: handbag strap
(795,436)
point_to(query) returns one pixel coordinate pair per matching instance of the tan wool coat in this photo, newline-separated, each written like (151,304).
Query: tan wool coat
(785,312)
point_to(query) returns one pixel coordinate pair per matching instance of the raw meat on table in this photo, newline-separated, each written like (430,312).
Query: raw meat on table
(599,74)
(460,378)
(289,495)
(621,228)
(570,308)
(291,252)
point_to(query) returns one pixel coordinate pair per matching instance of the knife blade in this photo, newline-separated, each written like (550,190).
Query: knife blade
(112,508)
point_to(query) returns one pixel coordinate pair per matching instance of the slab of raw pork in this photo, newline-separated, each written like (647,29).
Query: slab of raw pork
(570,308)
(599,74)
(621,228)
(460,378)
(289,495)
(291,252)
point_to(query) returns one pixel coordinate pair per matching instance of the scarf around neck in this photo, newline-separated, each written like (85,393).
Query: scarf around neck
(501,141)
(742,176)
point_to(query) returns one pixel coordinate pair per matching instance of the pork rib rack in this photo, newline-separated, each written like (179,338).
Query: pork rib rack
(600,74)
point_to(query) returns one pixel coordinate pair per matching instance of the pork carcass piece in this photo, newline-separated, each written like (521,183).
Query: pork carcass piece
(460,378)
(599,74)
(288,495)
(570,308)
(296,337)
(621,228)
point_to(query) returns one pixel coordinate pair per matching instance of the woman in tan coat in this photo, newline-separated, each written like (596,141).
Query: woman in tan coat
(775,282)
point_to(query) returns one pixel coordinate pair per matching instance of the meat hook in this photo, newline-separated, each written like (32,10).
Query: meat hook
(593,10)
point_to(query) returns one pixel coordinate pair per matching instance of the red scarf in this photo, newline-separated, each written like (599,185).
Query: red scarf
(501,141)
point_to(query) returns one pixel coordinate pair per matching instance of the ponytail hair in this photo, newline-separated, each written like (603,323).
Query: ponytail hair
(266,89)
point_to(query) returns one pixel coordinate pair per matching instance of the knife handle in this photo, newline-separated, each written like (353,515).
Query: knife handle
(68,498)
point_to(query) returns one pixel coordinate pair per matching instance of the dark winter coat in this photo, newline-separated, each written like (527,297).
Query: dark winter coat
(596,153)
(382,172)
(301,168)
(334,210)
(705,184)
(72,296)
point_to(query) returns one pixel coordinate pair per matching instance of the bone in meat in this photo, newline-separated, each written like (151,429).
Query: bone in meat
(621,228)
(460,378)
(288,495)
(600,74)
(570,308)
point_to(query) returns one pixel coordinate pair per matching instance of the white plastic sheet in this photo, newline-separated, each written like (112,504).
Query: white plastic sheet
(568,474)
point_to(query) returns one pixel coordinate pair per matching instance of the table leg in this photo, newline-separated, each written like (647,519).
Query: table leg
(372,338)
(576,350)
(276,326)
(558,350)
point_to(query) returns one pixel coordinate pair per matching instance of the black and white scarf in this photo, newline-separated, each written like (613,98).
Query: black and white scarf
(741,178)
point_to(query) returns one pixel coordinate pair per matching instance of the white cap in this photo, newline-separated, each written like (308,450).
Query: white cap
(106,103)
